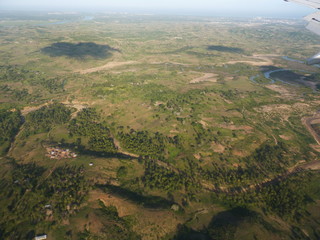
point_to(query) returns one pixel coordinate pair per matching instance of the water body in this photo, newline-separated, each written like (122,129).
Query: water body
(292,60)
(253,78)
(267,74)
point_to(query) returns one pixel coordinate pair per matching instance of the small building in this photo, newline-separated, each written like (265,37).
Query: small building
(91,164)
(41,237)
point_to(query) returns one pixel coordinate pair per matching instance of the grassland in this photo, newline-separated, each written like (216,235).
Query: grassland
(178,132)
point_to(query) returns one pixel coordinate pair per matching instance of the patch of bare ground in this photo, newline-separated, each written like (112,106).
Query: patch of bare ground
(229,78)
(124,207)
(172,63)
(203,123)
(120,150)
(315,165)
(315,147)
(77,105)
(27,110)
(107,66)
(207,77)
(217,147)
(259,60)
(283,110)
(284,93)
(239,153)
(151,224)
(174,131)
(247,129)
(285,137)
(197,156)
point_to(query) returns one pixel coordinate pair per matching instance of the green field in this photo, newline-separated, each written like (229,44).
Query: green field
(177,130)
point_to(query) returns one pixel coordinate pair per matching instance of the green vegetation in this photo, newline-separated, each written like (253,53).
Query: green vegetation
(142,143)
(45,118)
(10,122)
(87,124)
(178,135)
(34,197)
(114,226)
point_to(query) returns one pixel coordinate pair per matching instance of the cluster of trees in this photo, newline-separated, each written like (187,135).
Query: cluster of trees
(270,158)
(113,226)
(288,197)
(158,177)
(17,94)
(14,73)
(10,122)
(32,197)
(53,85)
(102,143)
(221,175)
(88,124)
(284,197)
(202,135)
(143,143)
(267,161)
(66,189)
(43,119)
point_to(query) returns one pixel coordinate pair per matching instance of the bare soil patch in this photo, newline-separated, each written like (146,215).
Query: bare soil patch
(315,165)
(107,66)
(259,60)
(285,137)
(217,147)
(124,208)
(207,77)
(285,93)
(151,224)
(308,121)
(247,129)
(27,110)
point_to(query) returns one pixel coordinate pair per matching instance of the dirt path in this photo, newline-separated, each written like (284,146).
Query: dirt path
(77,105)
(107,66)
(207,77)
(27,110)
(120,150)
(308,121)
(266,60)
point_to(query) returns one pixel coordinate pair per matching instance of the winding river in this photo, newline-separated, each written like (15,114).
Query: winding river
(268,74)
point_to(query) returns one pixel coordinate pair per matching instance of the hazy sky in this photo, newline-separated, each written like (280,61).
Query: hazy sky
(230,7)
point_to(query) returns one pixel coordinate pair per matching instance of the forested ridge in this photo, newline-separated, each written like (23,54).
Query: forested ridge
(43,119)
(38,197)
(34,197)
(10,123)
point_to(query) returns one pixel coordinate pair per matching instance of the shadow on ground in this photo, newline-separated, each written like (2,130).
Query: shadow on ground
(291,77)
(220,48)
(154,202)
(224,226)
(80,50)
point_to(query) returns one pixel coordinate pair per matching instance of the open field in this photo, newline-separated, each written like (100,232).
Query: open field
(120,126)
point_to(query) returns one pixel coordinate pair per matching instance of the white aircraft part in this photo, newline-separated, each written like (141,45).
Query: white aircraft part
(314,23)
(314,60)
(310,3)
(314,27)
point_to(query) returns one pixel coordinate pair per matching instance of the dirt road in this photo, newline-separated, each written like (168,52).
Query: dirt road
(308,121)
